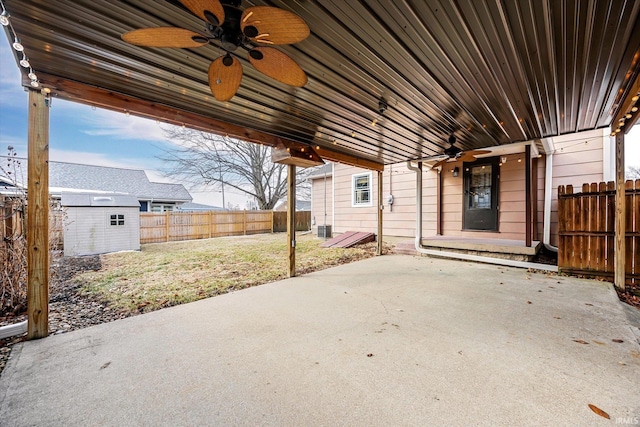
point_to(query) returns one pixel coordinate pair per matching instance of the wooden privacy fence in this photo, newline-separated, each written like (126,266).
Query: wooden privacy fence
(303,221)
(586,231)
(175,226)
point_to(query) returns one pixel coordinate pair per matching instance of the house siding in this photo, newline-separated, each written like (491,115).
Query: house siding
(88,230)
(400,219)
(578,159)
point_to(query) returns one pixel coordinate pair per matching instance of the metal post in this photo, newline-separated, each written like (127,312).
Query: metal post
(291,219)
(380,208)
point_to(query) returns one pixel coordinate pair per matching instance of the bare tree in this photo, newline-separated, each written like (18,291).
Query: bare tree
(633,172)
(204,159)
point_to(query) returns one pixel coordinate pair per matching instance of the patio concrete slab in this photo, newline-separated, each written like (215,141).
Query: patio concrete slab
(394,340)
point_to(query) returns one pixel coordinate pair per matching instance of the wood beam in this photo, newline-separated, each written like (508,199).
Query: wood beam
(527,196)
(291,218)
(97,97)
(38,217)
(380,208)
(625,107)
(620,225)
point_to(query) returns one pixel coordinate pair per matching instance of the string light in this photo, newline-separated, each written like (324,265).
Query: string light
(17,45)
(32,75)
(4,18)
(24,61)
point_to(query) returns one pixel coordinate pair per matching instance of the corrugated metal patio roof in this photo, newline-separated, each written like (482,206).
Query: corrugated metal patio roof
(492,72)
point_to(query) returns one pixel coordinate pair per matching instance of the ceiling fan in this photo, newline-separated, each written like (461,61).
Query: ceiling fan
(456,154)
(255,29)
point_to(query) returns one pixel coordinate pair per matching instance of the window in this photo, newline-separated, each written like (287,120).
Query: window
(161,207)
(117,219)
(361,190)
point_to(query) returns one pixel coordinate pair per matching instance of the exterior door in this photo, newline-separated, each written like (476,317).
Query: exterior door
(480,195)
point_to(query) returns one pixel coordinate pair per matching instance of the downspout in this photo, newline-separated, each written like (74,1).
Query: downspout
(548,191)
(456,255)
(418,171)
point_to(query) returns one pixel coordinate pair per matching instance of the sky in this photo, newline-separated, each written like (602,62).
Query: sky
(86,135)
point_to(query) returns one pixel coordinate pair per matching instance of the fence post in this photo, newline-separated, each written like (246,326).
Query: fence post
(167,227)
(210,223)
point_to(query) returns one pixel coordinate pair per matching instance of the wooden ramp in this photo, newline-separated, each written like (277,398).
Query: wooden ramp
(348,239)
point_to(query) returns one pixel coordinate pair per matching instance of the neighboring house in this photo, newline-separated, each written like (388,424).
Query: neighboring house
(77,178)
(484,199)
(197,207)
(301,205)
(100,222)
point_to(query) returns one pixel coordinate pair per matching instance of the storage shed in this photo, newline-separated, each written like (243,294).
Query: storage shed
(100,223)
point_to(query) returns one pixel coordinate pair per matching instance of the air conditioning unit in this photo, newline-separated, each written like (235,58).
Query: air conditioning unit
(324,231)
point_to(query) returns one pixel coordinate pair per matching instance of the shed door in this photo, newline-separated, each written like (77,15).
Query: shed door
(480,197)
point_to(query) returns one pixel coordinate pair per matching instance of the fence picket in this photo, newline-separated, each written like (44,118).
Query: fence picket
(586,230)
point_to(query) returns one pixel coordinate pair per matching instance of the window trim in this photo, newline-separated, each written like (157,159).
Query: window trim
(118,219)
(355,176)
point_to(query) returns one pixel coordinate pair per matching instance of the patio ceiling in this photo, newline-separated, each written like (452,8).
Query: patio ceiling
(492,72)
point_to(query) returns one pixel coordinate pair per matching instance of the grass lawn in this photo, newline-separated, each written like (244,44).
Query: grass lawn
(166,274)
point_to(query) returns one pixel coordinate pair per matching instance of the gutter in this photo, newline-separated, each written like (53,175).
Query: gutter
(455,255)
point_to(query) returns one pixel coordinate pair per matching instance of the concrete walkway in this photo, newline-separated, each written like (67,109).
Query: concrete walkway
(389,341)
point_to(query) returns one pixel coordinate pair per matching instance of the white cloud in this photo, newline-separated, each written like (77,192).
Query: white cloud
(120,126)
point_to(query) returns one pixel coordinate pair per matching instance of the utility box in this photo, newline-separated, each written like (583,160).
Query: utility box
(324,231)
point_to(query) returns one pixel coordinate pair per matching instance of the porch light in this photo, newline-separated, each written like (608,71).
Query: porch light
(456,171)
(17,45)
(24,61)
(503,159)
(4,18)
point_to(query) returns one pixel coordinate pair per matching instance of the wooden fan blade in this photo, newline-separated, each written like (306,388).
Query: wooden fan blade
(224,80)
(470,156)
(477,152)
(440,163)
(206,9)
(277,65)
(164,37)
(272,25)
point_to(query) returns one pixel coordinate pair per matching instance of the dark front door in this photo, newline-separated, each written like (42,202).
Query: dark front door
(480,196)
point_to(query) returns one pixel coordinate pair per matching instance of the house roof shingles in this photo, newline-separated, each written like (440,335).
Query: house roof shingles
(117,180)
(73,177)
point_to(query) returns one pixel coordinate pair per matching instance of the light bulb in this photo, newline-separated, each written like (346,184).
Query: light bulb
(34,83)
(634,109)
(32,75)
(4,18)
(25,62)
(17,45)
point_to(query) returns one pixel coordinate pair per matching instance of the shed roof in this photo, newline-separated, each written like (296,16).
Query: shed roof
(98,200)
(491,72)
